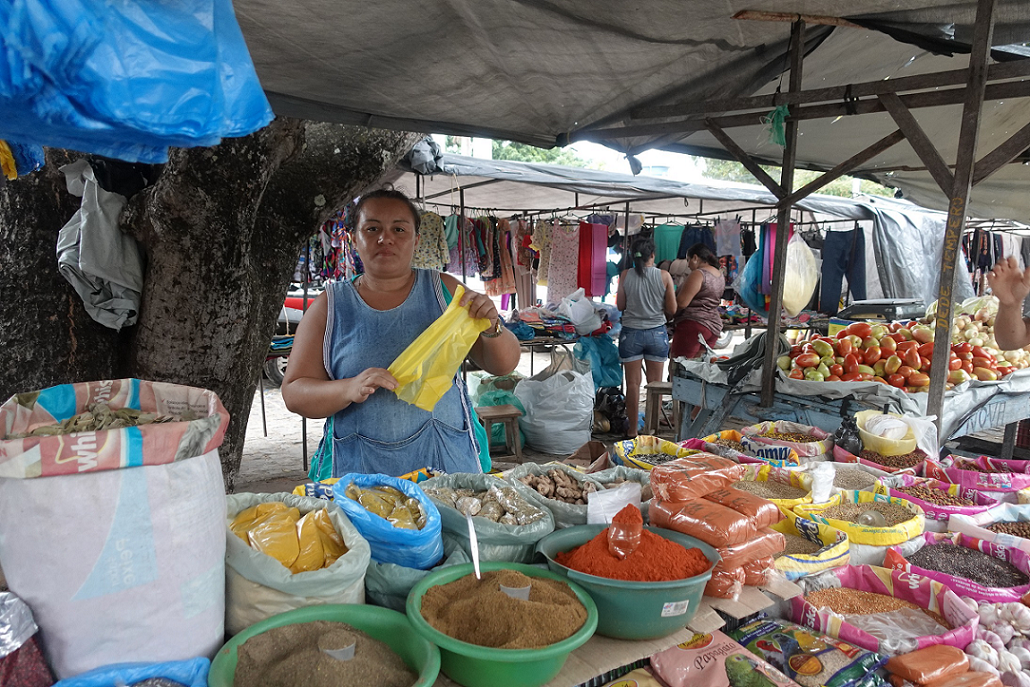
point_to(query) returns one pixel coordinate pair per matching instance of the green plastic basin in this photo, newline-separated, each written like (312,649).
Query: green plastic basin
(480,666)
(633,610)
(383,624)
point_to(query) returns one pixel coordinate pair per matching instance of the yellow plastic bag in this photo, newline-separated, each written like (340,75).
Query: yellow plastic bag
(275,535)
(767,473)
(300,544)
(426,368)
(311,555)
(835,551)
(860,534)
(633,453)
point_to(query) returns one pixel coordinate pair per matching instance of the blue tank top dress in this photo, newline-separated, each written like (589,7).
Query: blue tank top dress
(385,434)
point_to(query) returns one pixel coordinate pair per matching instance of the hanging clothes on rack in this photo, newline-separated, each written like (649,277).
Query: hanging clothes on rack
(525,276)
(465,244)
(727,237)
(563,269)
(542,233)
(667,241)
(843,255)
(696,233)
(431,253)
(504,281)
(593,247)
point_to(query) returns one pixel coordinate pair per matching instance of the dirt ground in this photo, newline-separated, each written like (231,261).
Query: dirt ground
(273,460)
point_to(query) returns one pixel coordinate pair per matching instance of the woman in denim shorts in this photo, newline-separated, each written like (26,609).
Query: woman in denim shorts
(646,298)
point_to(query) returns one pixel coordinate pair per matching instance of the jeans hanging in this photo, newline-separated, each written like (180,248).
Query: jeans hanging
(843,255)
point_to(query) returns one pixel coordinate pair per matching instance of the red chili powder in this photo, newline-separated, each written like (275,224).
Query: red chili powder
(656,559)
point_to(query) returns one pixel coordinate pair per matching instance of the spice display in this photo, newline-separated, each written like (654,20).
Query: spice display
(771,490)
(655,559)
(294,656)
(905,460)
(497,504)
(971,564)
(852,478)
(799,545)
(795,437)
(300,544)
(98,417)
(729,443)
(559,486)
(856,602)
(1016,529)
(653,458)
(478,612)
(892,513)
(390,504)
(930,495)
(961,464)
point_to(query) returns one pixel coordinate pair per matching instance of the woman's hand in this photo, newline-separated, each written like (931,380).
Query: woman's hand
(1008,283)
(480,306)
(365,384)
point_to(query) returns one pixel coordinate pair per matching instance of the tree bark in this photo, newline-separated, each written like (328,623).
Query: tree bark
(221,229)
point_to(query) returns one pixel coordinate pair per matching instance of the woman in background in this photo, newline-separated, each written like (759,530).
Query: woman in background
(646,298)
(698,304)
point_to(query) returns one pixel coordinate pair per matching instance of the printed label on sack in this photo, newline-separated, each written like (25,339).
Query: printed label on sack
(674,608)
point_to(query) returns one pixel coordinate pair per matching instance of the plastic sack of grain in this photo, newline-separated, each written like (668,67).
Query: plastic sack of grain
(715,660)
(863,534)
(890,632)
(998,478)
(808,657)
(962,585)
(646,451)
(800,481)
(834,548)
(840,455)
(257,586)
(1015,518)
(498,541)
(684,479)
(936,513)
(753,452)
(792,435)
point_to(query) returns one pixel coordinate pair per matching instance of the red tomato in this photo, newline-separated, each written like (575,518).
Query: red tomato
(979,352)
(905,371)
(837,370)
(896,380)
(881,380)
(919,379)
(924,363)
(954,364)
(796,373)
(861,329)
(852,377)
(807,360)
(963,348)
(844,347)
(888,344)
(911,358)
(842,333)
(926,350)
(983,362)
(871,355)
(906,346)
(967,365)
(850,363)
(795,351)
(832,378)
(807,348)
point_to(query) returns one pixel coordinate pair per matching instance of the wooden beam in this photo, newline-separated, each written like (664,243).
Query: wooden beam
(918,82)
(920,142)
(743,158)
(913,101)
(772,331)
(967,140)
(1002,155)
(844,167)
(814,19)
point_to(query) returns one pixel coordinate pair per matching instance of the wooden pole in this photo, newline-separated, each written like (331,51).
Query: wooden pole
(772,335)
(964,166)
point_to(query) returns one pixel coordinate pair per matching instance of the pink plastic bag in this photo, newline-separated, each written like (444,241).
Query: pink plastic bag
(935,511)
(702,661)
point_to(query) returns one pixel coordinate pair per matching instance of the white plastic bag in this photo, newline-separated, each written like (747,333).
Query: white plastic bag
(257,586)
(801,277)
(559,411)
(580,311)
(120,566)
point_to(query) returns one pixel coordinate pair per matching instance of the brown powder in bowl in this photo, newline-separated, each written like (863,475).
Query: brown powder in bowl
(478,612)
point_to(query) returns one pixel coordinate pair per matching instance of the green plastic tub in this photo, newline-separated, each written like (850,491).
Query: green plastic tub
(383,624)
(633,610)
(481,666)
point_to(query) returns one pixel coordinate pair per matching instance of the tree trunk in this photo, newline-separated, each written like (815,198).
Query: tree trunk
(221,229)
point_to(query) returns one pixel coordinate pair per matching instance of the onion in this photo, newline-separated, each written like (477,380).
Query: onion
(976,341)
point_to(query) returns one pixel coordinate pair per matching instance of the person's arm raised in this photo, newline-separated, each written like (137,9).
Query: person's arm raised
(307,389)
(1010,286)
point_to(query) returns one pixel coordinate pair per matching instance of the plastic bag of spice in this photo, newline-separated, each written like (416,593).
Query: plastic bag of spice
(21,661)
(1006,524)
(904,530)
(939,500)
(760,572)
(930,664)
(726,584)
(416,548)
(895,589)
(624,532)
(1006,565)
(767,542)
(809,657)
(715,660)
(762,511)
(711,523)
(258,586)
(685,479)
(499,539)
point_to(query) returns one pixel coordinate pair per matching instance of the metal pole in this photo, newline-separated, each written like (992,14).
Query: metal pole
(964,163)
(461,232)
(304,309)
(772,335)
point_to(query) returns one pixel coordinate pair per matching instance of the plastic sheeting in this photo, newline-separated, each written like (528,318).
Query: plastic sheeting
(126,79)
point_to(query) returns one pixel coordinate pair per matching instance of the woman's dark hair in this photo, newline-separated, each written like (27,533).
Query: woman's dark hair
(388,192)
(642,251)
(704,253)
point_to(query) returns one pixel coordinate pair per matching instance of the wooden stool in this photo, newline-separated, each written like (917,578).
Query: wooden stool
(653,407)
(507,415)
